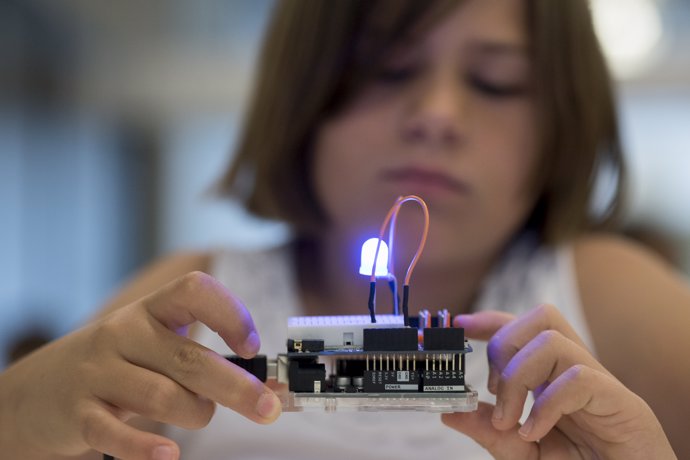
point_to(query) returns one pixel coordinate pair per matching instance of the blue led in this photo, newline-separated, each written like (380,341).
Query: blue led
(367,261)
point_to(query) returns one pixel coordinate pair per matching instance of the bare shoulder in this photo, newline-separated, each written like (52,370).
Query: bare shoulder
(157,274)
(636,304)
(595,248)
(637,307)
(617,273)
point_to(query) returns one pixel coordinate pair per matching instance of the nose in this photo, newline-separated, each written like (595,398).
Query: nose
(433,115)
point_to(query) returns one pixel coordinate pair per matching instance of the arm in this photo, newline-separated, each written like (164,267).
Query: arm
(638,310)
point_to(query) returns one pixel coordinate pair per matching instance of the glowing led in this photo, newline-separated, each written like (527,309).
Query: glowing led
(367,261)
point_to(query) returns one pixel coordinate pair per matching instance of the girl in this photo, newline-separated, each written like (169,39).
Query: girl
(499,113)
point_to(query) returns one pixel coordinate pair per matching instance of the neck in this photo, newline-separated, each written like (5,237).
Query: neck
(333,286)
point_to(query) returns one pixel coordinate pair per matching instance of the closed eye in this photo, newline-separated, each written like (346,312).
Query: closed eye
(495,90)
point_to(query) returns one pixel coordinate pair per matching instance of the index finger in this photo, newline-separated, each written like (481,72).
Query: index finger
(511,338)
(484,324)
(197,296)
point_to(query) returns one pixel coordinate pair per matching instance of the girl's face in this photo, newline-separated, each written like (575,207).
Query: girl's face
(451,119)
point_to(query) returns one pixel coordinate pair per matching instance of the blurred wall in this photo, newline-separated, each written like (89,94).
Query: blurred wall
(117,117)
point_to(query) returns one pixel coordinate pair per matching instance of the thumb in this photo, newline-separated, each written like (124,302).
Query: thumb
(501,445)
(482,325)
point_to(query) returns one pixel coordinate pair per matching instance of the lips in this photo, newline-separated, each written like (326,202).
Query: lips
(424,178)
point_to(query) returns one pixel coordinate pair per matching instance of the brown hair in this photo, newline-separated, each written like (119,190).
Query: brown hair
(318,54)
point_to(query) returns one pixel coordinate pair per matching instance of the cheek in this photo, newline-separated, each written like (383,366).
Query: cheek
(501,163)
(511,151)
(350,151)
(340,167)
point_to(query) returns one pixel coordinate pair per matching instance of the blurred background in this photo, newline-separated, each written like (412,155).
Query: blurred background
(117,117)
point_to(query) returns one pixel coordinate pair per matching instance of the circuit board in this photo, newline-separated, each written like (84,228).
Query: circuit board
(348,363)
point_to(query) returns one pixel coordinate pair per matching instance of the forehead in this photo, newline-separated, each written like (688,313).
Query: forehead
(492,22)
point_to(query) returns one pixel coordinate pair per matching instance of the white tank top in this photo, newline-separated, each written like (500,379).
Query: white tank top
(265,281)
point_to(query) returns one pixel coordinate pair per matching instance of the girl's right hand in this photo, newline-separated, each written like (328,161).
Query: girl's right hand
(77,392)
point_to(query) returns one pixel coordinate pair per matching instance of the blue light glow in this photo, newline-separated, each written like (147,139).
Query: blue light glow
(367,260)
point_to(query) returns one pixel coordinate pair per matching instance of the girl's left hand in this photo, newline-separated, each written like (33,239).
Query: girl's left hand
(580,410)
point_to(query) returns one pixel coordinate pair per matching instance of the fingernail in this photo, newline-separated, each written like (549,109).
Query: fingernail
(163,453)
(498,411)
(458,320)
(252,343)
(268,405)
(526,428)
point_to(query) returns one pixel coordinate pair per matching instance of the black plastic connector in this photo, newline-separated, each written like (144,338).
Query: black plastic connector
(257,366)
(393,339)
(304,375)
(444,338)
